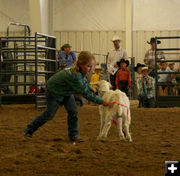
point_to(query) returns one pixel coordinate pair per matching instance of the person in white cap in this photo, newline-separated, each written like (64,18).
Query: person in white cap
(115,56)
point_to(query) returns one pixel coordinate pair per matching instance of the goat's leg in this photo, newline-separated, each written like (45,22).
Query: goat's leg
(106,128)
(126,130)
(102,116)
(119,126)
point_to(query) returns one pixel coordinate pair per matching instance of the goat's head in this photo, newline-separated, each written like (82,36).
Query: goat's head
(103,86)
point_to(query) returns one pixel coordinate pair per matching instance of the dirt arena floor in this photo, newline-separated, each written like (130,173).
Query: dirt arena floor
(155,133)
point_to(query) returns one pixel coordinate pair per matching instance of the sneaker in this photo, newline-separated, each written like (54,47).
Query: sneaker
(27,135)
(77,139)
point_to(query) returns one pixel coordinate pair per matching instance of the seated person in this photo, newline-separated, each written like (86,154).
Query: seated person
(66,57)
(145,86)
(178,78)
(123,77)
(96,77)
(163,78)
(172,89)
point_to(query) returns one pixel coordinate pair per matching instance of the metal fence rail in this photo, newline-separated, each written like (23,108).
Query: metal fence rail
(172,98)
(30,62)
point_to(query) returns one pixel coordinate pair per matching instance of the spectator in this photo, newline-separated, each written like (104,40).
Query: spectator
(138,74)
(178,78)
(115,56)
(6,67)
(96,76)
(145,86)
(123,76)
(172,69)
(149,59)
(163,78)
(66,57)
(172,88)
(138,69)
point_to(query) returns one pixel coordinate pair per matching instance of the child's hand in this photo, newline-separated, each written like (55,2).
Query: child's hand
(94,90)
(115,65)
(105,103)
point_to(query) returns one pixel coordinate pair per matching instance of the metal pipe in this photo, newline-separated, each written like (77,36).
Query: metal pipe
(18,24)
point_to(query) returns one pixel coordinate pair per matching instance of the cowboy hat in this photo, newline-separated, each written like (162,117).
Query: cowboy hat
(67,45)
(152,40)
(144,68)
(116,38)
(137,66)
(171,63)
(163,61)
(97,67)
(123,61)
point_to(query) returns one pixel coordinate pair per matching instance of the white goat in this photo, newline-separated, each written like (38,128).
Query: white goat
(119,112)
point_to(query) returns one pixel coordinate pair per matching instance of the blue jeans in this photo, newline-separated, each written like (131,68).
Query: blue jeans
(113,81)
(146,102)
(52,107)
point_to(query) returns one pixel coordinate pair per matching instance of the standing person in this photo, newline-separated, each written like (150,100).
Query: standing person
(60,89)
(123,76)
(138,74)
(149,59)
(138,70)
(145,86)
(6,67)
(115,56)
(66,57)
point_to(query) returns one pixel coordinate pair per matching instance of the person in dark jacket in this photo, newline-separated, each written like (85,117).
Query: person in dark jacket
(60,89)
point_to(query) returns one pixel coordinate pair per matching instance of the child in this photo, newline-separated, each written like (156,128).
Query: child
(138,69)
(60,89)
(138,75)
(172,69)
(145,85)
(163,78)
(172,88)
(96,76)
(123,76)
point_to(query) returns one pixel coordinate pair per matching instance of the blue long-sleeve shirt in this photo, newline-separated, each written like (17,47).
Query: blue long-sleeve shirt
(67,59)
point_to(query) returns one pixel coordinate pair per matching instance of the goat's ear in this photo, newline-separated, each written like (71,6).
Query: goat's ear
(110,86)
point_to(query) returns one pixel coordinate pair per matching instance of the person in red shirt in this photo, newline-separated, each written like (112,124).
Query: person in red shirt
(123,76)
